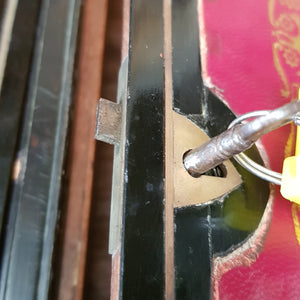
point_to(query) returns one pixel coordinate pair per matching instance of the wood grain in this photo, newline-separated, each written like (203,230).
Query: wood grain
(82,149)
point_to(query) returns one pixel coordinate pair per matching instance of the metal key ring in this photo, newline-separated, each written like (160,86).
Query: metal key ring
(248,163)
(239,138)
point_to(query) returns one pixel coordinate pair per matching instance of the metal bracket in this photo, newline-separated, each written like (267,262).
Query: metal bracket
(108,122)
(110,128)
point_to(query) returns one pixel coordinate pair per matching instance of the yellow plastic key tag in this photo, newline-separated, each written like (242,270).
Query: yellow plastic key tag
(290,184)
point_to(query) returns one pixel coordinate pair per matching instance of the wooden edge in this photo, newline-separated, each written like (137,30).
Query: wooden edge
(115,275)
(125,29)
(82,150)
(169,155)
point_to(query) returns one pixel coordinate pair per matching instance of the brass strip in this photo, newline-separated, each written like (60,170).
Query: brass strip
(187,189)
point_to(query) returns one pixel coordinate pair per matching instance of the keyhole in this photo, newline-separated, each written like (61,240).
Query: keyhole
(218,171)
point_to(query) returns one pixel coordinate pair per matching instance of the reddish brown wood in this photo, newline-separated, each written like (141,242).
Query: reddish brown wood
(82,149)
(125,28)
(115,278)
(98,260)
(98,265)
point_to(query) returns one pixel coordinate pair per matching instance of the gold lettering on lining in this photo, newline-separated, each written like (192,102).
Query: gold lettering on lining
(291,4)
(296,215)
(285,21)
(286,47)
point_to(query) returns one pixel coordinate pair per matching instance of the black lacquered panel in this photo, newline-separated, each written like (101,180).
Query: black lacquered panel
(207,230)
(142,270)
(14,89)
(29,238)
